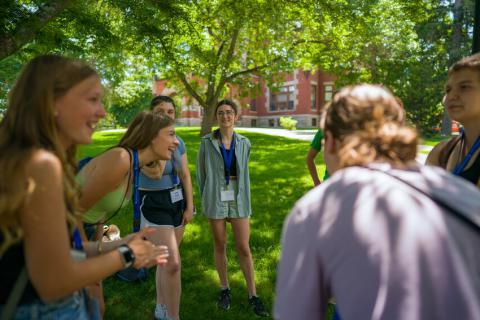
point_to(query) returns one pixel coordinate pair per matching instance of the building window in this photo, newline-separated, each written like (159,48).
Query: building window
(328,92)
(253,105)
(271,123)
(313,97)
(283,99)
(253,123)
(314,122)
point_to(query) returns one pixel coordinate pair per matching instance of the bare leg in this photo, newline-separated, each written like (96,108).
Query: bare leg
(241,234)
(168,278)
(160,299)
(219,231)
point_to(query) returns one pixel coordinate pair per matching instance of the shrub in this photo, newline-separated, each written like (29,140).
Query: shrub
(288,123)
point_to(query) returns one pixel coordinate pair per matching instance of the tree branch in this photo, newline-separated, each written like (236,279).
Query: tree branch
(190,89)
(230,52)
(28,28)
(260,67)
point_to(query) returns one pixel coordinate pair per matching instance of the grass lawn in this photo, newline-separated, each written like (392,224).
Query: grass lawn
(279,177)
(433,140)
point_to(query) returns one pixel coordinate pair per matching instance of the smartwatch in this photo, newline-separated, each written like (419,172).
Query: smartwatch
(127,255)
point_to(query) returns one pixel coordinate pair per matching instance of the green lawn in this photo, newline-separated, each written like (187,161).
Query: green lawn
(433,140)
(279,177)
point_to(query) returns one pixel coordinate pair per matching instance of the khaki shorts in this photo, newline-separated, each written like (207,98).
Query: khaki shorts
(229,209)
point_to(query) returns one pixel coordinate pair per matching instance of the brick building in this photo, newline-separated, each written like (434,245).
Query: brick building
(301,95)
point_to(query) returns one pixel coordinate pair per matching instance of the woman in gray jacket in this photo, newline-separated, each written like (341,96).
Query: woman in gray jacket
(224,182)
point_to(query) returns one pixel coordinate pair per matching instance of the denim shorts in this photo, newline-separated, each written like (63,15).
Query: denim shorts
(71,307)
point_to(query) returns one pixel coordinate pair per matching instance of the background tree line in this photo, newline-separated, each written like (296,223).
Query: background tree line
(202,46)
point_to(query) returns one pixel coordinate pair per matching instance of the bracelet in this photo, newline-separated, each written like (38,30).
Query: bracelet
(99,247)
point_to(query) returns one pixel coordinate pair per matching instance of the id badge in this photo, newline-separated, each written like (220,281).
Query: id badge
(227,195)
(176,195)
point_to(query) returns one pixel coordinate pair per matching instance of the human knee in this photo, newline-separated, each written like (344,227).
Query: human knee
(173,265)
(243,250)
(220,245)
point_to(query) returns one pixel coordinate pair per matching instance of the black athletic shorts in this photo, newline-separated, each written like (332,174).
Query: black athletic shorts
(157,208)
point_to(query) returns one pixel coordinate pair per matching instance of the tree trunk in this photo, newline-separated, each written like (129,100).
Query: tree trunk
(476,29)
(454,55)
(207,120)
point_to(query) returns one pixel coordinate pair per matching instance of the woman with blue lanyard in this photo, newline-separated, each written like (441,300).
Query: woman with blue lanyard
(224,182)
(54,105)
(167,205)
(461,155)
(108,178)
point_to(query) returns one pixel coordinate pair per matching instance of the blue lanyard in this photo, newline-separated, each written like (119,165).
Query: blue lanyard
(461,166)
(227,156)
(77,240)
(175,179)
(136,193)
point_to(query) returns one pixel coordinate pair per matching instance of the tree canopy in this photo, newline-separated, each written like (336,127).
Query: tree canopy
(204,46)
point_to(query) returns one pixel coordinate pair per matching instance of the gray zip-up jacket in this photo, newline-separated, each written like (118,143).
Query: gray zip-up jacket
(211,176)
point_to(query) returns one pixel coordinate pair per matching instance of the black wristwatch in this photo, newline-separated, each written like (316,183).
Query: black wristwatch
(127,255)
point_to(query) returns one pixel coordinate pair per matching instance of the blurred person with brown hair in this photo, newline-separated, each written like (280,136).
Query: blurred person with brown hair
(386,237)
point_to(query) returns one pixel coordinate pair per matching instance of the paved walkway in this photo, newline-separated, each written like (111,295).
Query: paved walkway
(308,134)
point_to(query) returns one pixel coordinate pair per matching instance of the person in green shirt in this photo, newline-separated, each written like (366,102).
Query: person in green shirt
(315,148)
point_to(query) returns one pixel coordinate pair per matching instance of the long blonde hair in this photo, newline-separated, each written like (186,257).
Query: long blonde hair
(369,122)
(28,125)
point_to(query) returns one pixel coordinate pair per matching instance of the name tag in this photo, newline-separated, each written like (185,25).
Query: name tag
(227,195)
(176,195)
(78,255)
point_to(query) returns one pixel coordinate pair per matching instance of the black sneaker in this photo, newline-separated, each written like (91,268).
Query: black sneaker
(224,299)
(257,306)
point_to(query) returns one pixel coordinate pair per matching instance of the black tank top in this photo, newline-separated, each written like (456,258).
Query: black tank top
(11,263)
(472,174)
(233,166)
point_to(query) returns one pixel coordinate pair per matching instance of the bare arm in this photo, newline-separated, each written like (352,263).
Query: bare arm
(52,271)
(312,168)
(187,187)
(47,243)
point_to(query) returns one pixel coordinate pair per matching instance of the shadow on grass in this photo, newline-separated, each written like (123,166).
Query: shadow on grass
(278,177)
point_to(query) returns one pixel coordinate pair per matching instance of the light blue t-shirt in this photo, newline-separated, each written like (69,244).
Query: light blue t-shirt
(168,178)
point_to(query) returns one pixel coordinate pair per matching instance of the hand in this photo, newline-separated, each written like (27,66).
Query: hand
(146,253)
(187,215)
